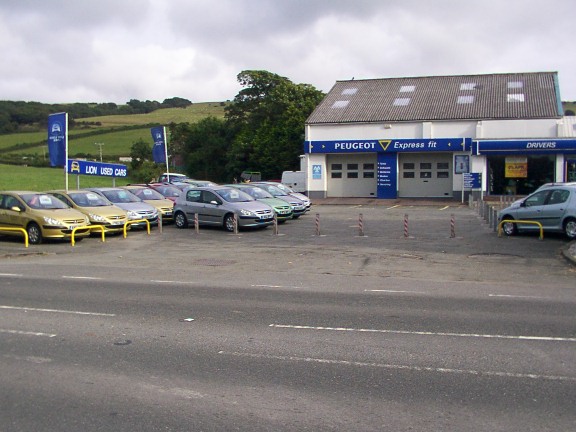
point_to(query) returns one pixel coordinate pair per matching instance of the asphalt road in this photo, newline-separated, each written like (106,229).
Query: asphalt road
(316,328)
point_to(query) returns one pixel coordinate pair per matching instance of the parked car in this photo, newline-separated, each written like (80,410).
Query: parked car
(42,215)
(167,190)
(553,207)
(136,208)
(182,185)
(282,208)
(298,206)
(171,177)
(164,206)
(290,191)
(217,205)
(99,210)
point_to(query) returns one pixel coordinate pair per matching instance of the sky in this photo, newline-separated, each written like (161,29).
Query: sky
(64,51)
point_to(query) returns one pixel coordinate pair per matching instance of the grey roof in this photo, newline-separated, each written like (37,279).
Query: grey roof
(459,97)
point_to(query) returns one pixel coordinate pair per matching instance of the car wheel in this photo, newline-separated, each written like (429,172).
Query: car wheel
(34,233)
(509,228)
(570,228)
(229,222)
(180,220)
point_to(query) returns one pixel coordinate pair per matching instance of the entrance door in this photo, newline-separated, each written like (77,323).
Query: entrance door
(425,175)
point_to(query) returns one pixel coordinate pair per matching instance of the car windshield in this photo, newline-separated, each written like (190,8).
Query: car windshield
(88,199)
(234,195)
(284,188)
(148,194)
(120,196)
(43,201)
(273,190)
(169,191)
(256,192)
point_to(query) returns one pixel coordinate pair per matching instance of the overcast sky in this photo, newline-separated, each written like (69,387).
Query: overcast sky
(117,50)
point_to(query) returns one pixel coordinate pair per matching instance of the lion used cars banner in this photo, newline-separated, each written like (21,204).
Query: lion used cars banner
(58,139)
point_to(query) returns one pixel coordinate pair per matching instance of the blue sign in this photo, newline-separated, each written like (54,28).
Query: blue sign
(389,145)
(58,138)
(316,172)
(387,176)
(159,148)
(96,168)
(472,180)
(533,146)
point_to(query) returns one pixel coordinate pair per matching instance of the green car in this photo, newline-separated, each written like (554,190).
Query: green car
(282,209)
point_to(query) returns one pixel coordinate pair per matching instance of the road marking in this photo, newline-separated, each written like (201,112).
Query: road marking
(444,208)
(11,274)
(27,333)
(82,277)
(393,207)
(56,311)
(401,367)
(514,296)
(424,333)
(394,291)
(274,286)
(173,282)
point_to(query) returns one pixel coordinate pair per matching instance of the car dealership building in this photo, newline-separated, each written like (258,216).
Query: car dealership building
(445,136)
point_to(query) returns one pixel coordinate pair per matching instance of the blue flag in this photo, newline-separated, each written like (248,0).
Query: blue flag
(58,139)
(159,148)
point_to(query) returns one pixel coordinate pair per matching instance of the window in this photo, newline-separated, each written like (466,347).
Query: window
(408,166)
(401,101)
(515,84)
(443,174)
(368,174)
(407,88)
(336,167)
(340,104)
(193,196)
(467,86)
(408,174)
(443,165)
(352,174)
(425,174)
(336,175)
(425,165)
(465,99)
(515,97)
(558,197)
(350,91)
(368,166)
(352,166)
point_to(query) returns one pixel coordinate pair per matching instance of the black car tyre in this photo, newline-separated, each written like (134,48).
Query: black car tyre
(509,228)
(34,233)
(229,222)
(180,220)
(570,228)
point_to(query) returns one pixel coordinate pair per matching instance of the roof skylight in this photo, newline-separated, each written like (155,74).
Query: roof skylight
(467,99)
(401,101)
(340,104)
(350,91)
(407,88)
(515,97)
(515,84)
(468,86)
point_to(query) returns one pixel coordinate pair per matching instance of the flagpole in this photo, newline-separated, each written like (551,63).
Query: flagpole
(166,150)
(66,152)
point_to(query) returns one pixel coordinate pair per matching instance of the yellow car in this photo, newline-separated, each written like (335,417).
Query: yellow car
(99,210)
(164,206)
(43,216)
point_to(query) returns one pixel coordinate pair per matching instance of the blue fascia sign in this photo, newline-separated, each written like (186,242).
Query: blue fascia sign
(83,167)
(389,145)
(531,146)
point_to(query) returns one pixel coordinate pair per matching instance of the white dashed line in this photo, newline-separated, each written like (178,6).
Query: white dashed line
(82,277)
(27,333)
(55,311)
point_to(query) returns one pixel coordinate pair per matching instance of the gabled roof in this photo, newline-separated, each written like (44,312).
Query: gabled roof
(459,97)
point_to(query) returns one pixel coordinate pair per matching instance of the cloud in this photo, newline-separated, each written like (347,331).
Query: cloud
(117,50)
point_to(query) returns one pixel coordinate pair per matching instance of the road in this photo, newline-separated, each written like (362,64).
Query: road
(304,330)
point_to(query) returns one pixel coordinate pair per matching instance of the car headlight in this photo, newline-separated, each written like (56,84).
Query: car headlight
(52,221)
(97,218)
(246,213)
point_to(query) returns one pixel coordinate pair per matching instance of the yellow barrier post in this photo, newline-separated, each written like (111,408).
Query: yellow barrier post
(133,222)
(91,227)
(520,221)
(17,229)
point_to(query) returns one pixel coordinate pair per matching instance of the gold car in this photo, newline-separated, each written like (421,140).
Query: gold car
(164,206)
(99,210)
(43,216)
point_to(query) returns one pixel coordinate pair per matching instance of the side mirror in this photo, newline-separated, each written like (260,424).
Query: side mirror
(523,204)
(16,209)
(215,202)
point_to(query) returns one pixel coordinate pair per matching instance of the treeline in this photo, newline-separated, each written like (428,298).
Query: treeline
(18,116)
(262,130)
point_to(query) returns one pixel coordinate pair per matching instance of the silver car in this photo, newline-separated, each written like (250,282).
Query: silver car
(219,205)
(134,206)
(554,207)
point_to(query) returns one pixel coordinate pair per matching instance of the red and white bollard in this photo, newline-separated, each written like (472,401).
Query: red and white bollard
(361,225)
(196,223)
(275,224)
(406,226)
(317,224)
(452,226)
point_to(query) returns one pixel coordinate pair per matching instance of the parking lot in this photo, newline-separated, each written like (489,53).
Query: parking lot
(434,241)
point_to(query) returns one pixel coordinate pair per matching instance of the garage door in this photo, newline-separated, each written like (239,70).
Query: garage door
(352,175)
(425,175)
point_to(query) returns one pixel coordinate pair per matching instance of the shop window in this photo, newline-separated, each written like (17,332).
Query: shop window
(352,174)
(443,165)
(425,174)
(336,167)
(408,174)
(425,166)
(336,175)
(368,174)
(443,174)
(408,166)
(352,166)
